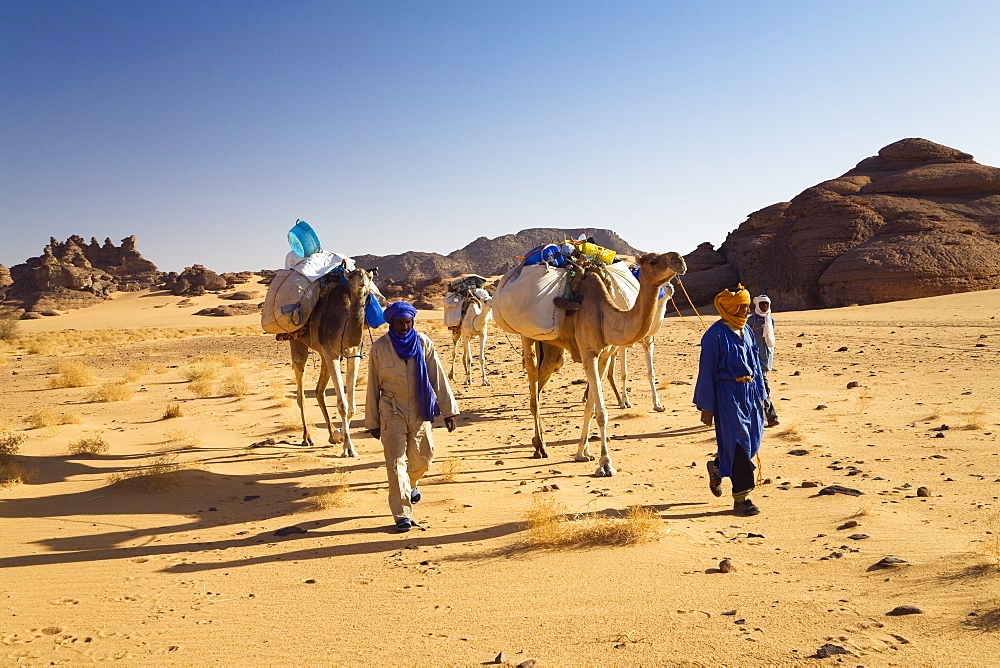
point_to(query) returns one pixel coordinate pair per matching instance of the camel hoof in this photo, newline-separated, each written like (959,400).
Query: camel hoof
(605,471)
(539,453)
(349,453)
(583,458)
(486,383)
(660,409)
(468,382)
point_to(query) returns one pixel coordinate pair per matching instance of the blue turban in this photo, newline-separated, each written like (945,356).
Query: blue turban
(409,346)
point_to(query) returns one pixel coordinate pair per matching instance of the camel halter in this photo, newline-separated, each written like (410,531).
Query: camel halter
(704,327)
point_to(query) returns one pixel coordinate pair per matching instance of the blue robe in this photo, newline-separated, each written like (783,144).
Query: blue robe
(738,407)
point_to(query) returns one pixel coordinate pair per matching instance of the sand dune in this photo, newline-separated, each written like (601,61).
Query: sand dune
(195,574)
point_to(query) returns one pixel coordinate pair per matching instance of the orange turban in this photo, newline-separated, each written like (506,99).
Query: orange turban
(726,303)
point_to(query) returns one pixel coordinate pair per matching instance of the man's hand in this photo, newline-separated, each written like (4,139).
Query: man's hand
(706,417)
(377,433)
(449,422)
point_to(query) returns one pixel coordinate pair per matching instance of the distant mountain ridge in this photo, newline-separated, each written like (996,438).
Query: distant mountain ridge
(483,256)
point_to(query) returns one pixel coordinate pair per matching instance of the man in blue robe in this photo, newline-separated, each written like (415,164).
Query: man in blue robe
(730,391)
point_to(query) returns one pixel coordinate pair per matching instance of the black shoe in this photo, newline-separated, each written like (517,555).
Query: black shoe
(745,508)
(404,524)
(714,481)
(415,495)
(567,304)
(772,422)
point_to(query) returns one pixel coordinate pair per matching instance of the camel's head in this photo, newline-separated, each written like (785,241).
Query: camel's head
(658,268)
(359,284)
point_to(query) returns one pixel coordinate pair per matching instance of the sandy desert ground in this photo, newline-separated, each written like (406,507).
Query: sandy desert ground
(196,575)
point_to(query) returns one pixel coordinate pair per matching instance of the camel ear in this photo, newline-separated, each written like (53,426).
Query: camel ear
(646,258)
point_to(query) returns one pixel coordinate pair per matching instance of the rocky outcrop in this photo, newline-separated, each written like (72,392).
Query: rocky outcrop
(193,281)
(918,219)
(483,256)
(74,274)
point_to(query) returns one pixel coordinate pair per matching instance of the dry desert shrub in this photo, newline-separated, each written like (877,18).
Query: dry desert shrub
(92,445)
(790,433)
(335,495)
(43,417)
(202,387)
(182,438)
(549,526)
(976,420)
(234,384)
(201,370)
(9,327)
(172,411)
(70,373)
(10,444)
(109,392)
(161,474)
(70,417)
(226,360)
(450,468)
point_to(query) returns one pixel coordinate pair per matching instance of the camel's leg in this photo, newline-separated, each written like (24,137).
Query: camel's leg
(300,353)
(596,368)
(583,451)
(333,363)
(324,379)
(482,355)
(647,343)
(351,382)
(620,359)
(539,369)
(467,361)
(454,353)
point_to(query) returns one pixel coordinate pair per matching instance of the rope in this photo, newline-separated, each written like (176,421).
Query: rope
(688,297)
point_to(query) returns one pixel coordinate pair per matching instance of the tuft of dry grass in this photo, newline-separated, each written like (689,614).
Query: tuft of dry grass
(202,388)
(201,370)
(549,526)
(93,445)
(172,411)
(234,384)
(13,473)
(182,438)
(109,392)
(289,425)
(71,373)
(226,360)
(10,327)
(10,444)
(791,433)
(70,417)
(976,420)
(335,495)
(161,474)
(43,417)
(450,468)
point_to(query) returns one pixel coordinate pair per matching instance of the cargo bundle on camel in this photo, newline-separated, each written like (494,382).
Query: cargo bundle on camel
(467,311)
(610,308)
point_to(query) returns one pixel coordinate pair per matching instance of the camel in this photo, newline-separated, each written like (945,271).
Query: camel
(475,321)
(592,336)
(620,361)
(334,331)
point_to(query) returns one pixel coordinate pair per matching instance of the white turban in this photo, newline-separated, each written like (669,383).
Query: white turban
(768,324)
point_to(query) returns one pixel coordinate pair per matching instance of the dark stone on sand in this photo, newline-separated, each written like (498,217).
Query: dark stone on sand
(821,407)
(286,531)
(798,452)
(213,509)
(839,489)
(859,536)
(251,497)
(851,385)
(938,435)
(829,649)
(905,610)
(849,524)
(842,349)
(726,566)
(887,562)
(810,483)
(943,427)
(310,581)
(529,663)
(923,491)
(501,658)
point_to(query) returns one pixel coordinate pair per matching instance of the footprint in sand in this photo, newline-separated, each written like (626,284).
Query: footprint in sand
(65,601)
(437,610)
(689,615)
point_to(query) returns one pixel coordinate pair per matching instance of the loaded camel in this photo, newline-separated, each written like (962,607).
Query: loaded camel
(334,331)
(620,362)
(592,336)
(476,314)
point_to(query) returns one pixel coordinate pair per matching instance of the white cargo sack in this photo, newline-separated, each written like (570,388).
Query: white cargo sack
(522,303)
(453,309)
(624,288)
(290,300)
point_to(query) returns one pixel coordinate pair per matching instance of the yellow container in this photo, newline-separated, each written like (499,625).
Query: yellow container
(597,253)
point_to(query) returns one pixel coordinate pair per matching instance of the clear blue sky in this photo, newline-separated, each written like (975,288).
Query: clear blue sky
(206,128)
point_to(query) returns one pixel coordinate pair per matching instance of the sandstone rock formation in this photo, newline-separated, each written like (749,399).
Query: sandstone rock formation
(193,281)
(917,220)
(74,274)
